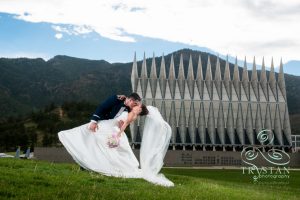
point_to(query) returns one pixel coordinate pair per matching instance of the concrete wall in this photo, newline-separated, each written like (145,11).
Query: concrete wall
(176,158)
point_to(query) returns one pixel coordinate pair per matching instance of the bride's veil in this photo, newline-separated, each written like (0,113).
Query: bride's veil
(155,142)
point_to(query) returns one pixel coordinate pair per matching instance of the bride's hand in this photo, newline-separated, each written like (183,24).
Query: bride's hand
(119,134)
(120,123)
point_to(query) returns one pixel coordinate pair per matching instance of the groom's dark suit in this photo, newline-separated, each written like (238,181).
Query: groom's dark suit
(111,107)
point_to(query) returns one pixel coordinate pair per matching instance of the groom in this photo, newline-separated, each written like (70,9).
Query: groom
(112,107)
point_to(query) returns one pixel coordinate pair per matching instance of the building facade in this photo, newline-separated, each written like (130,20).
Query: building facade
(215,112)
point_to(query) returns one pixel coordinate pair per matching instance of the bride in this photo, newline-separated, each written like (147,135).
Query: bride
(92,152)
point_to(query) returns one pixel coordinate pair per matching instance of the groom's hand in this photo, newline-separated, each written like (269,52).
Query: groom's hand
(121,97)
(93,126)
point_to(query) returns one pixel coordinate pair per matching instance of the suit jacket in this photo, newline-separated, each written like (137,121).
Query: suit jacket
(109,109)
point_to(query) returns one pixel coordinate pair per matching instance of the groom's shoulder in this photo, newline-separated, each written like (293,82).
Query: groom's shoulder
(114,98)
(111,98)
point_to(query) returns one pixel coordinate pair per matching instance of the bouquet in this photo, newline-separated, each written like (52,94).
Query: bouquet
(113,140)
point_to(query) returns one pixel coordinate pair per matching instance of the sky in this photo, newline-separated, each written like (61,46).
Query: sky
(113,30)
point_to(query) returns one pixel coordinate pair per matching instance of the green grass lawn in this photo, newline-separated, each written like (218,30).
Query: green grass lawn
(32,179)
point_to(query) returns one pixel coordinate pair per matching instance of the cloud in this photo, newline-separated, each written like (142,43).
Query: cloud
(235,27)
(72,30)
(25,55)
(124,7)
(58,36)
(137,9)
(272,9)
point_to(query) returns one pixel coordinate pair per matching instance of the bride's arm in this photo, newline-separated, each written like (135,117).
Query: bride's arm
(130,118)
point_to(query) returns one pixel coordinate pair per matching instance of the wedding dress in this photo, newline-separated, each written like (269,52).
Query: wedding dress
(91,151)
(155,142)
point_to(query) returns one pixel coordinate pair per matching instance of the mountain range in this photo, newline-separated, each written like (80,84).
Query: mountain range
(27,85)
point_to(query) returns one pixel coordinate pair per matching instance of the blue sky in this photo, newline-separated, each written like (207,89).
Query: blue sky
(19,38)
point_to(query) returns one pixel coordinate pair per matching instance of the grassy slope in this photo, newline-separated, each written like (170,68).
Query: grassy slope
(30,179)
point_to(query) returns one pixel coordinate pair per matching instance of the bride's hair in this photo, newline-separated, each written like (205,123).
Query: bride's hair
(144,110)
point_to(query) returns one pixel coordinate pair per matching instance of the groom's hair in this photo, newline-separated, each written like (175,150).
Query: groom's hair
(134,96)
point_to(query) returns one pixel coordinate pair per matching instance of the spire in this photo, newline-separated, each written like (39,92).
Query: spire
(181,77)
(263,78)
(190,78)
(162,72)
(202,124)
(221,124)
(245,79)
(268,124)
(249,125)
(144,76)
(211,129)
(281,81)
(230,125)
(287,126)
(144,68)
(190,74)
(258,119)
(272,80)
(254,79)
(163,77)
(218,71)
(208,75)
(277,125)
(172,82)
(163,110)
(227,77)
(173,122)
(192,124)
(236,79)
(153,68)
(153,77)
(208,78)
(134,75)
(172,69)
(199,79)
(133,131)
(141,124)
(218,79)
(199,69)
(239,125)
(182,123)
(181,69)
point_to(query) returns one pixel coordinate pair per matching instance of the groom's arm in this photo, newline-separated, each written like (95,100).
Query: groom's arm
(103,108)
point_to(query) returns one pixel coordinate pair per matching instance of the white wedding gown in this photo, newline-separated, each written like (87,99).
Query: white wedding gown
(155,142)
(90,150)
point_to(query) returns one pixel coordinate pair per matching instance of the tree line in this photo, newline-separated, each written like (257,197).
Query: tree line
(40,128)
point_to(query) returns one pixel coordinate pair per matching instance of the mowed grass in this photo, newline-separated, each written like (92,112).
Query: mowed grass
(32,179)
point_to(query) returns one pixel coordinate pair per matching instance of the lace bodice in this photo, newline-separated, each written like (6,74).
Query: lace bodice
(111,125)
(123,116)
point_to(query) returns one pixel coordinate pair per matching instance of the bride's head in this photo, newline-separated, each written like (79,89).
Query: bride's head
(140,109)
